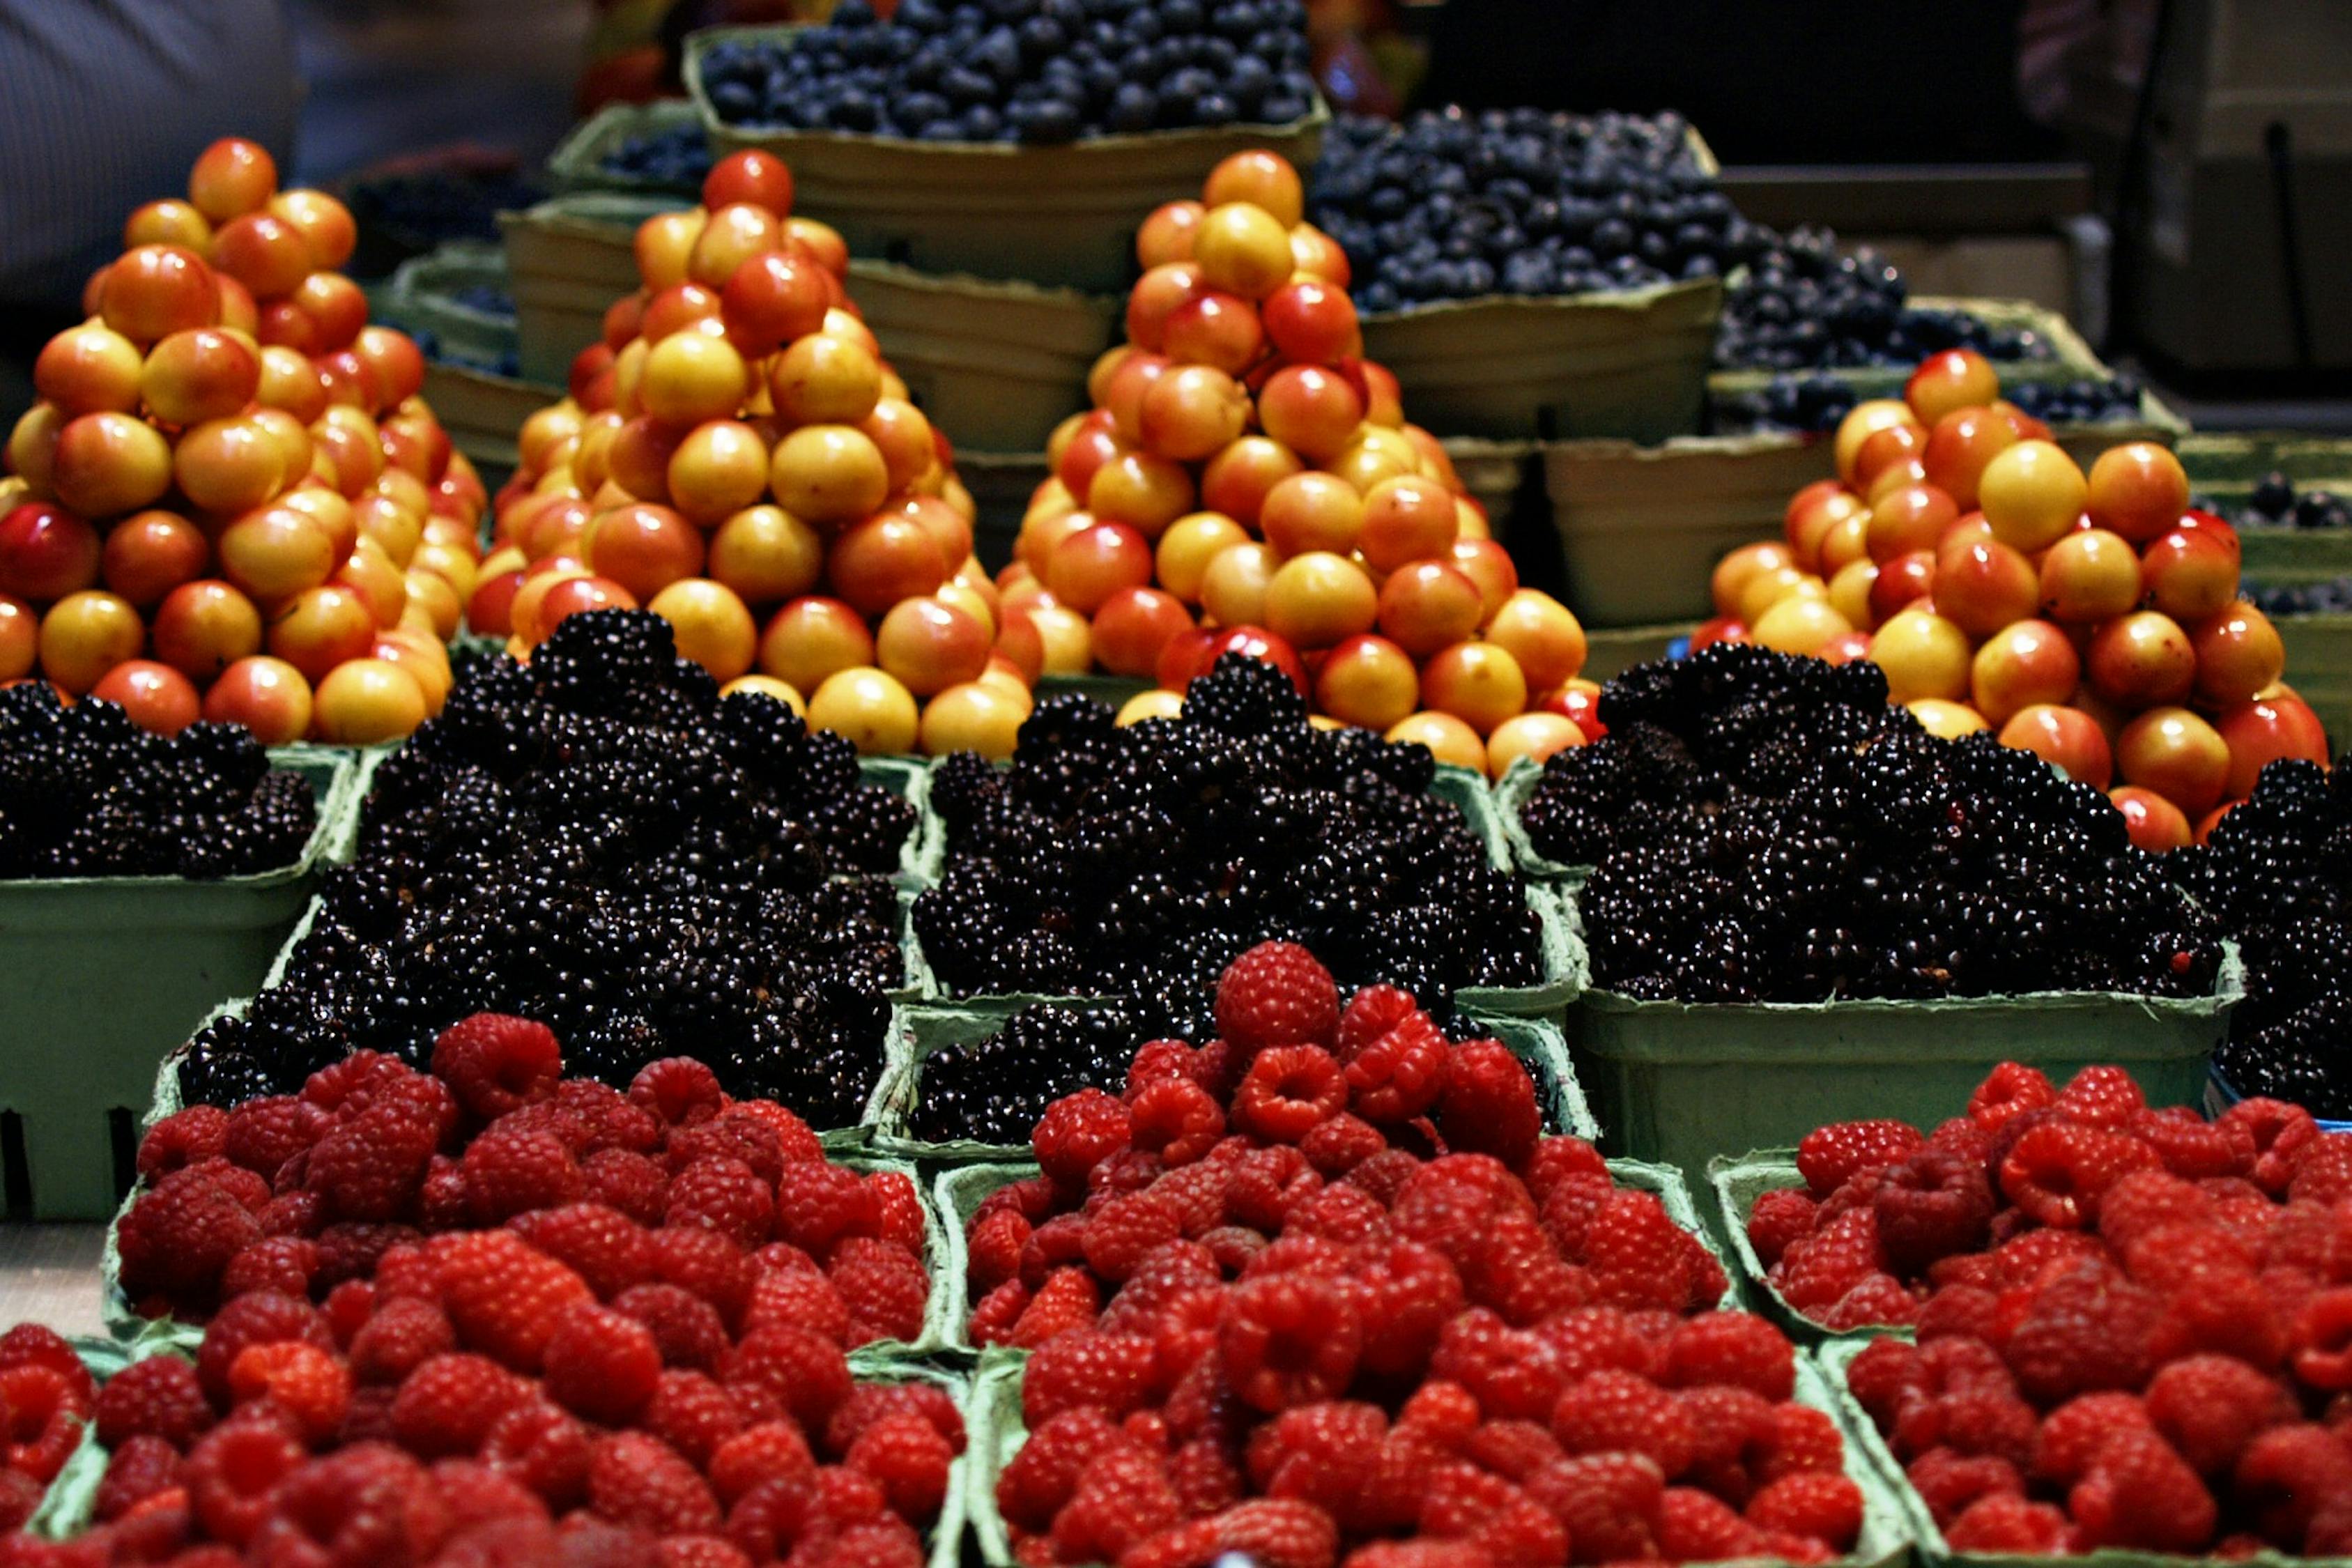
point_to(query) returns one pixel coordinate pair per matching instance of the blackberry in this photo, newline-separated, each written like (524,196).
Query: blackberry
(600,842)
(1766,828)
(1136,863)
(86,792)
(993,1089)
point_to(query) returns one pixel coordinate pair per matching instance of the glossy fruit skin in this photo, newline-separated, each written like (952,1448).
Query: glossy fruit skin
(2065,737)
(2154,823)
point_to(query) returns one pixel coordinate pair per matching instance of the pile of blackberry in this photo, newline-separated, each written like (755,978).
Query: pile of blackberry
(675,157)
(2278,872)
(1035,71)
(2275,502)
(84,792)
(1450,205)
(599,841)
(1140,862)
(1767,829)
(1803,302)
(992,1089)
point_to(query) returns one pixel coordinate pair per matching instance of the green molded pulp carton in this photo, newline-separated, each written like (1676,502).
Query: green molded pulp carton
(1737,1182)
(578,160)
(1684,1082)
(99,977)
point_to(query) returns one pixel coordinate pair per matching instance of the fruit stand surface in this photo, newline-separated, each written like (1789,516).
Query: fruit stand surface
(48,1274)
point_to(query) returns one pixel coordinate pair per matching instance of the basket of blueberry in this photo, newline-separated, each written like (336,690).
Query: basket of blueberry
(1532,274)
(2289,497)
(1010,138)
(651,147)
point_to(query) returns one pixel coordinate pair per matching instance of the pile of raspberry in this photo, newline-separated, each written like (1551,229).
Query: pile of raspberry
(1321,1291)
(493,1315)
(45,1398)
(2134,1328)
(301,1194)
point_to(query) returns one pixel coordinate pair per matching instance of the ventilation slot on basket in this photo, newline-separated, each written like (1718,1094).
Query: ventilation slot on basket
(122,1131)
(16,1173)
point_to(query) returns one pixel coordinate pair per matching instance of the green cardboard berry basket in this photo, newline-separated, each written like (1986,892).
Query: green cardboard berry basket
(1737,1182)
(1887,1528)
(480,408)
(1059,215)
(2225,469)
(918,1031)
(1512,792)
(70,1503)
(2319,668)
(1682,1082)
(568,258)
(997,363)
(959,1191)
(2070,358)
(101,976)
(949,1530)
(1628,365)
(578,162)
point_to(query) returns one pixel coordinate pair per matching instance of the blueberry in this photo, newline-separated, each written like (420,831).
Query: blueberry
(2273,495)
(1215,108)
(1531,272)
(1182,16)
(966,88)
(1051,123)
(998,57)
(735,102)
(1042,37)
(1133,108)
(855,111)
(981,123)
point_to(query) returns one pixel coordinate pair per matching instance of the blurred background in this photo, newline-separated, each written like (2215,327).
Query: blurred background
(2174,176)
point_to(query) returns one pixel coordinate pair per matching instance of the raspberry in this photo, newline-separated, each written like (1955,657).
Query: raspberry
(1109,1372)
(1490,1105)
(473,1493)
(873,1402)
(2211,1407)
(770,1451)
(2286,1475)
(734,1133)
(1156,1061)
(1975,1419)
(1736,1348)
(627,1180)
(2100,1097)
(1800,1440)
(1266,1531)
(905,1456)
(2322,1339)
(1276,994)
(503,1296)
(2072,1435)
(635,1479)
(1289,1339)
(1396,1059)
(708,1265)
(509,1172)
(2191,1147)
(343,1088)
(685,1329)
(371,1166)
(1513,1449)
(494,1063)
(1350,1215)
(2011,1091)
(884,1287)
(1617,1412)
(1289,1091)
(1125,1229)
(182,1138)
(158,1397)
(816,1204)
(601,1364)
(992,1249)
(810,1374)
(2323,1171)
(1641,1258)
(1830,1156)
(1325,1454)
(1949,1482)
(677,1091)
(367,1504)
(1929,1205)
(306,1381)
(2057,1173)
(263,1134)
(2280,1132)
(612,1122)
(449,1405)
(2004,1524)
(1825,1506)
(724,1195)
(232,1473)
(1067,1301)
(605,1247)
(807,1298)
(1694,1527)
(401,1336)
(136,1468)
(1176,1118)
(2138,1492)
(1609,1502)
(692,1415)
(1778,1217)
(179,1236)
(45,1411)
(1037,1481)
(1464,1503)
(542,1446)
(255,1319)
